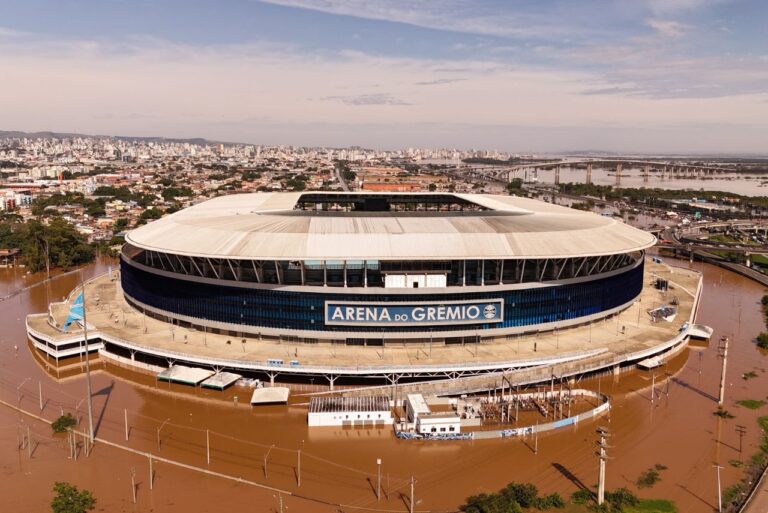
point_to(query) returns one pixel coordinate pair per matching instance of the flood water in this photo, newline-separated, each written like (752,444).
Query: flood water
(741,183)
(338,466)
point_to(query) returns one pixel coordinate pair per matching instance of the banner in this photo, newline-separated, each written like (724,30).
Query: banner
(351,313)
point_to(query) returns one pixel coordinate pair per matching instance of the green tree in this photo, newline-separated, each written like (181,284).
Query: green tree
(58,244)
(69,499)
(121,223)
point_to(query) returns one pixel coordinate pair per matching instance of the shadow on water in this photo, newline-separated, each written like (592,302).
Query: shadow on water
(107,392)
(692,388)
(569,475)
(711,506)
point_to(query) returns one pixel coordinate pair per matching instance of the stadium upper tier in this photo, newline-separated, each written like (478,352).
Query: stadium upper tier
(385,226)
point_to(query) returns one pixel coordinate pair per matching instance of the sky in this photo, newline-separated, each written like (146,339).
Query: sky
(640,76)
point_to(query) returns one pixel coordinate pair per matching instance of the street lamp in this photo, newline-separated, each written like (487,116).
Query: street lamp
(266,457)
(18,388)
(158,431)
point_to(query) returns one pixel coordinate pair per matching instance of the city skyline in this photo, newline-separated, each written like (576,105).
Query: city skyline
(684,76)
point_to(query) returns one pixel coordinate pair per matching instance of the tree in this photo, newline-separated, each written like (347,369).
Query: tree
(432,187)
(515,186)
(63,423)
(69,499)
(121,223)
(57,244)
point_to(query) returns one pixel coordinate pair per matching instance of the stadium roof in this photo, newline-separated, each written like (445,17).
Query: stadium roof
(268,226)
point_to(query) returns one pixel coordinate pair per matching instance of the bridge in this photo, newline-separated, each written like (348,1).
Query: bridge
(665,169)
(695,248)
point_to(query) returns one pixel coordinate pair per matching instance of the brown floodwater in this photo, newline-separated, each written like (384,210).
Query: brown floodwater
(676,429)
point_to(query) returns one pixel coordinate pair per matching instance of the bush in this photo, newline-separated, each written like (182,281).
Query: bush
(63,423)
(722,413)
(582,496)
(762,340)
(525,494)
(621,498)
(648,478)
(550,501)
(69,499)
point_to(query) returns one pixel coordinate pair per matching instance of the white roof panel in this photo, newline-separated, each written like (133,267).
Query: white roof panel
(266,226)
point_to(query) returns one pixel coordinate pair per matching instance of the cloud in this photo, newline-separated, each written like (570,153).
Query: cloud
(367,99)
(666,7)
(269,94)
(461,16)
(440,81)
(667,28)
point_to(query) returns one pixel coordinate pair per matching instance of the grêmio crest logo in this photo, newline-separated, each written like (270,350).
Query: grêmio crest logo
(413,314)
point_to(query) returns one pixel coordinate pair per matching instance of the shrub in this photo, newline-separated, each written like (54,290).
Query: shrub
(69,499)
(621,498)
(524,494)
(550,501)
(63,423)
(762,340)
(648,478)
(722,413)
(582,496)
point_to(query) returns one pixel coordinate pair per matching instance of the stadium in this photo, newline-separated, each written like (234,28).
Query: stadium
(361,268)
(353,287)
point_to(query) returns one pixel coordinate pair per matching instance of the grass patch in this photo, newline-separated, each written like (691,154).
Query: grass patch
(735,463)
(722,413)
(731,493)
(749,375)
(752,404)
(652,506)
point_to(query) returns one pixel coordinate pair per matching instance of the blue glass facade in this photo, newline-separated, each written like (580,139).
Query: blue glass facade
(305,311)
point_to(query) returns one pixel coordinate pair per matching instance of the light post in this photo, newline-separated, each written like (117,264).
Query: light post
(298,467)
(378,481)
(87,365)
(266,457)
(158,431)
(719,493)
(18,389)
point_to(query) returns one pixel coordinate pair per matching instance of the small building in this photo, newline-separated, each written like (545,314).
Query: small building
(425,421)
(349,411)
(438,423)
(415,405)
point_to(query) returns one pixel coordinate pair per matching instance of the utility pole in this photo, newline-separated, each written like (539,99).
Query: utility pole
(378,481)
(133,483)
(412,495)
(266,457)
(719,493)
(87,366)
(603,432)
(724,356)
(741,430)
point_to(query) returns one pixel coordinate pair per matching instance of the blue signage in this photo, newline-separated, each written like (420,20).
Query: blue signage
(352,313)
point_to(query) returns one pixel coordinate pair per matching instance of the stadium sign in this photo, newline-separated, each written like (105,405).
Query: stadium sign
(351,313)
